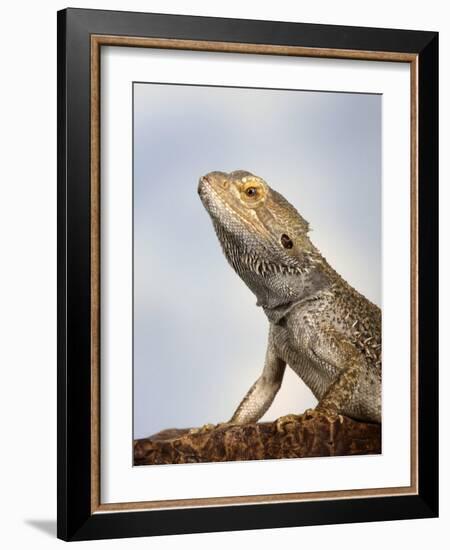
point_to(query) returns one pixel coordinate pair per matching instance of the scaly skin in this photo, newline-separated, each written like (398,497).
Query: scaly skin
(320,326)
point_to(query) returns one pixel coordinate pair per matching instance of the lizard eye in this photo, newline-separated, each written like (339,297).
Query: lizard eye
(251,191)
(286,241)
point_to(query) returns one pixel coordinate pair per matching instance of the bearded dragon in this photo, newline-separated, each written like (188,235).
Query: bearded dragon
(319,325)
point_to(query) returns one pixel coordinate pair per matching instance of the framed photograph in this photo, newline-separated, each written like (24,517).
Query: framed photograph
(247,271)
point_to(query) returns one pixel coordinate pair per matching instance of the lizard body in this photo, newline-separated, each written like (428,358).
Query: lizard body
(319,325)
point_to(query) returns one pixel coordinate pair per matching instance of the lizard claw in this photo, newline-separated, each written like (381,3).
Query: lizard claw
(203,429)
(284,421)
(309,413)
(331,414)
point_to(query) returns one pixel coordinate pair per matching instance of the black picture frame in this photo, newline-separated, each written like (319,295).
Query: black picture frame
(76,521)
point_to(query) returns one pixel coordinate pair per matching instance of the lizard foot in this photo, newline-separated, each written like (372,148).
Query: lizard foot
(209,427)
(203,429)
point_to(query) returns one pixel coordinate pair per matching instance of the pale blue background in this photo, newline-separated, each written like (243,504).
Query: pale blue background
(199,340)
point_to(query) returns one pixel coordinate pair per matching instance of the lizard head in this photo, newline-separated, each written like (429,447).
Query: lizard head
(262,235)
(244,208)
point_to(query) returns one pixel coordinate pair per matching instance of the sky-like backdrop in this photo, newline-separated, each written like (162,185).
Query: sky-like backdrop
(199,339)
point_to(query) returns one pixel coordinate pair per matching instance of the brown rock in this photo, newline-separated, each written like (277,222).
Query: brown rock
(308,435)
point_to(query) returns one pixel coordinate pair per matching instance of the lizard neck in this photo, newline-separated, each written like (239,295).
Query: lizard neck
(280,294)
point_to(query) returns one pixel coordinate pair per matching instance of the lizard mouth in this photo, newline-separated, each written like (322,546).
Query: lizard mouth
(203,188)
(206,192)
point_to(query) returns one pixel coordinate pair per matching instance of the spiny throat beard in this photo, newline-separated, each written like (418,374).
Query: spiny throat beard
(244,259)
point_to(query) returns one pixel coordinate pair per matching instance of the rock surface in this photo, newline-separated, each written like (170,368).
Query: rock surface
(296,436)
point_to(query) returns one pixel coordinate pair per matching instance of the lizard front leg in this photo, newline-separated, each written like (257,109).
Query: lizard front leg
(333,351)
(260,396)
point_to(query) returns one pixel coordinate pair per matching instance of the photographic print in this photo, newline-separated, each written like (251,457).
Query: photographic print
(256,273)
(247,274)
